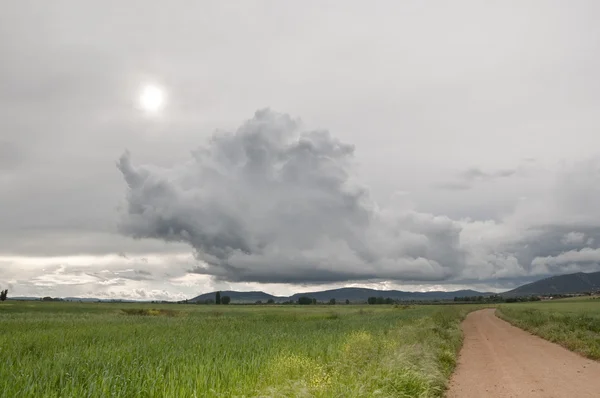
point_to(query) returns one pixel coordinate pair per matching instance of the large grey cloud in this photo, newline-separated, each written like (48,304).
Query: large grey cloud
(535,238)
(273,203)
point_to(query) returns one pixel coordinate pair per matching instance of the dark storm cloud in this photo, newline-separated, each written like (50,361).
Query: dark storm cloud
(273,203)
(270,202)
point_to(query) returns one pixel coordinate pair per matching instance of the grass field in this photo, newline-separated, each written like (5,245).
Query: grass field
(573,323)
(143,350)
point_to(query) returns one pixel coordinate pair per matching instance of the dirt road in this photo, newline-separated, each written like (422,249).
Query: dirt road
(500,360)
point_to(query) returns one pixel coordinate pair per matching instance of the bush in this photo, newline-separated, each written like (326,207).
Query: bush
(225,300)
(305,300)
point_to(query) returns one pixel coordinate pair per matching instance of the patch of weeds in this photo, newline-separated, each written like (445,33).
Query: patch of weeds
(333,315)
(149,312)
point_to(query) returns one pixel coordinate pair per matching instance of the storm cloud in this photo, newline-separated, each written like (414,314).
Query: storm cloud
(272,202)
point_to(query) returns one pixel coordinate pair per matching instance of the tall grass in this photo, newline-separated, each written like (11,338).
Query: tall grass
(127,350)
(573,324)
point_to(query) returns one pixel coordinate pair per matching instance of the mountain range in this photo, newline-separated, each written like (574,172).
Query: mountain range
(579,282)
(353,294)
(560,284)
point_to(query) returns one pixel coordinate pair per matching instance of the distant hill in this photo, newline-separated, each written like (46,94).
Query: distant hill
(239,297)
(357,294)
(560,284)
(22,298)
(82,299)
(579,282)
(354,294)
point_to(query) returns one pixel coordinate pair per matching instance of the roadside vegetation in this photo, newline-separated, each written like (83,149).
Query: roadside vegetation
(573,323)
(52,349)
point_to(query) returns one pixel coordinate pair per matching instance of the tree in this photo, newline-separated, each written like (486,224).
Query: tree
(218,298)
(372,300)
(270,301)
(225,300)
(3,294)
(314,301)
(332,301)
(304,300)
(347,301)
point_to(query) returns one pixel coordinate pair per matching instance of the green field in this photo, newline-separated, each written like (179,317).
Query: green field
(573,323)
(144,350)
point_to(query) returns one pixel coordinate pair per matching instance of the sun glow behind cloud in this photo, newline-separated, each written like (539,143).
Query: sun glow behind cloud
(152,99)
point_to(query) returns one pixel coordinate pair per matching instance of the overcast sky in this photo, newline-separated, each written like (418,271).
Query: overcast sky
(418,145)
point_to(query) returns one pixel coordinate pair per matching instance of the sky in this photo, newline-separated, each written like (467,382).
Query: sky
(414,145)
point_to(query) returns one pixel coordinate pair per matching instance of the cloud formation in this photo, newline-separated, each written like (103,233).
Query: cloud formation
(271,202)
(468,178)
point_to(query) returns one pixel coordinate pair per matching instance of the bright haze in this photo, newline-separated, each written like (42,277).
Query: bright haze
(154,151)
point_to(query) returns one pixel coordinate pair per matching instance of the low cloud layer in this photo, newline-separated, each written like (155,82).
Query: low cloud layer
(470,177)
(272,202)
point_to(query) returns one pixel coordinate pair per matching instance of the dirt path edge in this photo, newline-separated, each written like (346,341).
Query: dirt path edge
(500,360)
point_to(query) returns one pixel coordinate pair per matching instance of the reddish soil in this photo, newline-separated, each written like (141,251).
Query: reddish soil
(500,360)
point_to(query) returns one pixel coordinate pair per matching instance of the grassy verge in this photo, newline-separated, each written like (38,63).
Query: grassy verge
(575,324)
(126,350)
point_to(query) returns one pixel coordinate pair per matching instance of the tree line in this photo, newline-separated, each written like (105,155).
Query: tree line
(495,298)
(380,300)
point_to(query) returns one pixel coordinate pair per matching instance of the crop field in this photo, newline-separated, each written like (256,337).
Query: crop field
(151,350)
(573,323)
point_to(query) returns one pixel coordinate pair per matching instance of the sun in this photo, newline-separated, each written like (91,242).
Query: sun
(152,98)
